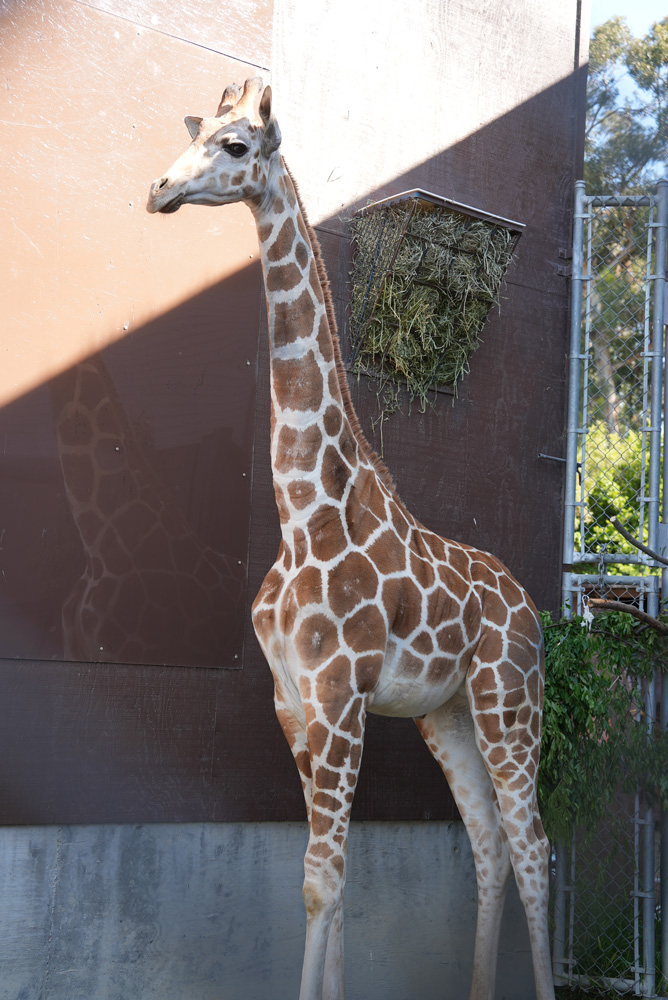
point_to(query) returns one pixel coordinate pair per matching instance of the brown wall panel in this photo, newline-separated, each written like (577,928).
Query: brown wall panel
(479,105)
(129,382)
(241,29)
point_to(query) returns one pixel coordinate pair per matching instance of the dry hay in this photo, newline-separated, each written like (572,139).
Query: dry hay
(434,299)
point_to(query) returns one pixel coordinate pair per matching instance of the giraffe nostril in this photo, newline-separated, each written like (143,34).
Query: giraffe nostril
(162,183)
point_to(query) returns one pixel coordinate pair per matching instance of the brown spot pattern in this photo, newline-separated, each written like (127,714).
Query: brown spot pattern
(307,586)
(298,449)
(338,751)
(490,647)
(352,580)
(316,640)
(332,420)
(301,547)
(389,553)
(352,723)
(335,473)
(440,669)
(495,610)
(503,696)
(301,493)
(367,671)
(334,692)
(298,383)
(317,736)
(328,539)
(365,629)
(302,255)
(293,320)
(423,643)
(325,344)
(283,277)
(282,245)
(403,603)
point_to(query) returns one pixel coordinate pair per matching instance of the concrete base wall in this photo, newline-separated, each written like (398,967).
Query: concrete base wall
(214,912)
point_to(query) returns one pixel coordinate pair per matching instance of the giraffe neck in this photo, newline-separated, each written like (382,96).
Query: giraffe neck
(316,440)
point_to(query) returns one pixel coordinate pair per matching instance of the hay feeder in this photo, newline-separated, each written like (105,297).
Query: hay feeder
(426,271)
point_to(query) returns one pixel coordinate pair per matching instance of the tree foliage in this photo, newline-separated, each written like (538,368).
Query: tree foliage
(626,150)
(595,740)
(626,139)
(614,460)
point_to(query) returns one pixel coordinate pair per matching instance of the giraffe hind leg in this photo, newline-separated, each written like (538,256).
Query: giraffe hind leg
(448,732)
(505,700)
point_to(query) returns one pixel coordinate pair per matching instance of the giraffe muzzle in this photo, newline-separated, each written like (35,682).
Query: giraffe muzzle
(161,198)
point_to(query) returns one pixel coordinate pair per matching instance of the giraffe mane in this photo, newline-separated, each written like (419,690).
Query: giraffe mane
(348,408)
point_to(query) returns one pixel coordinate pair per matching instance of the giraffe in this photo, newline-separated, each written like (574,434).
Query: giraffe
(365,610)
(150,591)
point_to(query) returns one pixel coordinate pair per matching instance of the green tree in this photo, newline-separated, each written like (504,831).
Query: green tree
(626,137)
(616,459)
(626,151)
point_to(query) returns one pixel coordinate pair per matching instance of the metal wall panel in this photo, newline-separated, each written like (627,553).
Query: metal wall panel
(129,364)
(482,106)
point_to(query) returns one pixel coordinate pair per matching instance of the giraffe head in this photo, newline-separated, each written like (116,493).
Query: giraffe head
(230,157)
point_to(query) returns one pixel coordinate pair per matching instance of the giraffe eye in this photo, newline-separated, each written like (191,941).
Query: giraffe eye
(236,148)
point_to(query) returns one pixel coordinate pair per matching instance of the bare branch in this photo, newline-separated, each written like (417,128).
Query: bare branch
(639,545)
(599,604)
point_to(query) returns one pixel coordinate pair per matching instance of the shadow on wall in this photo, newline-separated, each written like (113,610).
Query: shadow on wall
(125,494)
(105,743)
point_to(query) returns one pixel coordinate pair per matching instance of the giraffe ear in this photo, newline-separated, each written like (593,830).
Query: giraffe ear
(265,105)
(272,133)
(192,124)
(272,138)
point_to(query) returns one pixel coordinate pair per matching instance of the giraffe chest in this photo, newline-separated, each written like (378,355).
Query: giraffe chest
(407,653)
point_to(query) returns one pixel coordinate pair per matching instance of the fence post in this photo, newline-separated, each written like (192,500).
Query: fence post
(575,352)
(560,967)
(658,333)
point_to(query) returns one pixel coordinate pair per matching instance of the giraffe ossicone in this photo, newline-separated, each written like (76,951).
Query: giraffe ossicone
(365,610)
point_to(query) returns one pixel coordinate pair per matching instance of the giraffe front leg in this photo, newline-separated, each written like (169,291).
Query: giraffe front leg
(294,730)
(295,733)
(335,738)
(334,981)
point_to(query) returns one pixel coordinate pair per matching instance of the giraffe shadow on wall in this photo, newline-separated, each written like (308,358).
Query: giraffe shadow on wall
(136,540)
(151,591)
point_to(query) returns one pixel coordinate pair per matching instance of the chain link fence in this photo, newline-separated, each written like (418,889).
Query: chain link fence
(602,883)
(618,429)
(607,921)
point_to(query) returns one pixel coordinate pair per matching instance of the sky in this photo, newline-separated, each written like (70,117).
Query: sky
(640,14)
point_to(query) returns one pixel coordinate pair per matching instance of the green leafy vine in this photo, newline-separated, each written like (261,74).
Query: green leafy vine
(595,739)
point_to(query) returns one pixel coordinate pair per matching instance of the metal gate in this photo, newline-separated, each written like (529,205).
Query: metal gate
(614,469)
